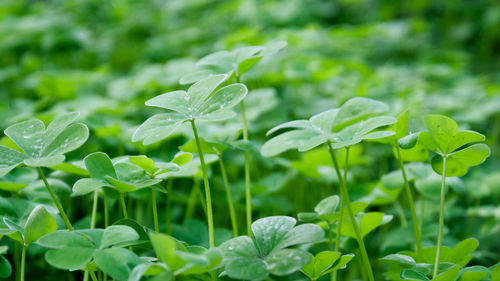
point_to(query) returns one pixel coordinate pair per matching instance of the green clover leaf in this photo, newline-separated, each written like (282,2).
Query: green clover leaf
(42,147)
(442,137)
(268,252)
(200,102)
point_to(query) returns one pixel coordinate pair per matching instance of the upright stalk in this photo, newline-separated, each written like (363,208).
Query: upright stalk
(168,210)
(155,210)
(23,262)
(106,212)
(409,197)
(422,212)
(55,200)
(92,224)
(248,191)
(232,212)
(345,195)
(94,210)
(92,275)
(208,197)
(441,219)
(124,206)
(338,233)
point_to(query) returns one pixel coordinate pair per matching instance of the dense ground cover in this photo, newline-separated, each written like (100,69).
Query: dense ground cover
(250,140)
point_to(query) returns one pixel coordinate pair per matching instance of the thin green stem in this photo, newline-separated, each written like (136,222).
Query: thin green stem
(248,191)
(168,209)
(441,219)
(361,265)
(94,210)
(106,212)
(330,237)
(409,197)
(55,200)
(208,197)
(23,262)
(338,234)
(155,210)
(355,226)
(346,166)
(124,206)
(422,213)
(232,212)
(92,275)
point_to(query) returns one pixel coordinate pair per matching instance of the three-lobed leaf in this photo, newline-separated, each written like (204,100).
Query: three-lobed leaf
(43,147)
(200,102)
(348,125)
(269,252)
(324,263)
(442,136)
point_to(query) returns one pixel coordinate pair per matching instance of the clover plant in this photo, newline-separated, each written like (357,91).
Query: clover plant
(339,128)
(191,175)
(324,263)
(43,147)
(451,159)
(200,102)
(38,223)
(403,266)
(123,177)
(403,140)
(268,252)
(183,260)
(217,148)
(325,210)
(92,250)
(159,170)
(235,63)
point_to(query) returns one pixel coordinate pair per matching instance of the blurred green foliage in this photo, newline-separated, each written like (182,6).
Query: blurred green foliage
(106,58)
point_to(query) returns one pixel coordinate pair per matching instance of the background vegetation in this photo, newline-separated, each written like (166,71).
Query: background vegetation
(106,58)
